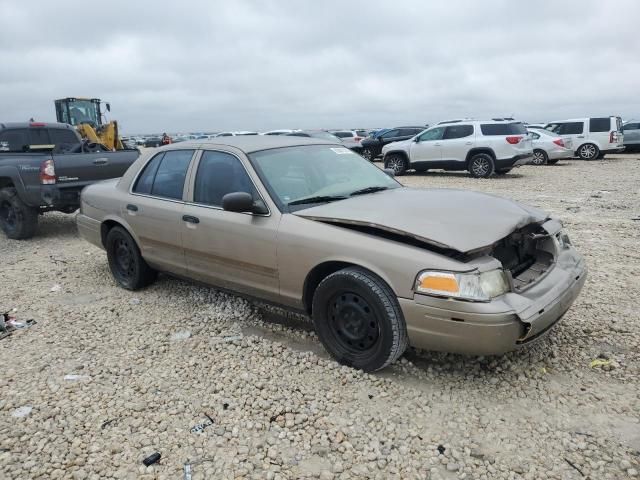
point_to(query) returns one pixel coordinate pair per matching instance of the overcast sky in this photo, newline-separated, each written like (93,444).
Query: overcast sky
(258,64)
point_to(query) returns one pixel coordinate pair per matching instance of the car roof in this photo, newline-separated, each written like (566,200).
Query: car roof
(255,143)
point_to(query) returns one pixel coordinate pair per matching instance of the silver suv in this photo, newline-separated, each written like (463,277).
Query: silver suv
(481,147)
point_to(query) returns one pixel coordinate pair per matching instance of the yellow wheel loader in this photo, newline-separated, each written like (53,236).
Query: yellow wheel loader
(85,114)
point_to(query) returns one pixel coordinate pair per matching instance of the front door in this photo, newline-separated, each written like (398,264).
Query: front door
(154,210)
(428,146)
(231,250)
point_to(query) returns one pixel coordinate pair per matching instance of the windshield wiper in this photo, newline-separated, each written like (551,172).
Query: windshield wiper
(362,191)
(317,199)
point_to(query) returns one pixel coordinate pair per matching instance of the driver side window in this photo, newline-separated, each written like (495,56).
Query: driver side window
(220,173)
(433,134)
(390,134)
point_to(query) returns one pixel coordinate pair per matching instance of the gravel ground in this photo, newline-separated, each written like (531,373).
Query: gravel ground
(145,367)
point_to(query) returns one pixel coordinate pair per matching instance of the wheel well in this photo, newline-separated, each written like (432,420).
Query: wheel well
(105,228)
(475,151)
(398,152)
(315,276)
(5,182)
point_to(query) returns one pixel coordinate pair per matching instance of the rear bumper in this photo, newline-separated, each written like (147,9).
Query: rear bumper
(515,161)
(55,196)
(495,327)
(89,229)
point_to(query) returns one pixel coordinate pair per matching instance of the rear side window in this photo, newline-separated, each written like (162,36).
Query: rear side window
(169,180)
(218,174)
(569,128)
(458,131)
(599,124)
(59,136)
(503,129)
(145,180)
(15,140)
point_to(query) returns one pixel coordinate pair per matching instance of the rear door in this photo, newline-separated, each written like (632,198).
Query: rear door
(456,142)
(428,146)
(154,209)
(574,131)
(231,250)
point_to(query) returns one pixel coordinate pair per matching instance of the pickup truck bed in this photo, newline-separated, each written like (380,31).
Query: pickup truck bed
(48,177)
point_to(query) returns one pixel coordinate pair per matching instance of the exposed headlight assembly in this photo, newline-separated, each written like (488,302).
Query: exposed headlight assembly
(473,286)
(563,239)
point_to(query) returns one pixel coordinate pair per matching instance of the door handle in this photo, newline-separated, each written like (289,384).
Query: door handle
(132,208)
(436,144)
(468,143)
(580,136)
(190,219)
(101,161)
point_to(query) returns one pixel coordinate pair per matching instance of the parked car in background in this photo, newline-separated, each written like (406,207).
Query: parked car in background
(234,134)
(591,137)
(535,125)
(480,147)
(289,220)
(43,168)
(153,142)
(549,147)
(314,134)
(278,132)
(372,146)
(350,138)
(631,132)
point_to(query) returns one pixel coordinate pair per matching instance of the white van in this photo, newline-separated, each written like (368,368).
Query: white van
(591,137)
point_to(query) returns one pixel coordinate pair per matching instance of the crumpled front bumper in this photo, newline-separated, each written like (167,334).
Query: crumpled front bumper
(499,326)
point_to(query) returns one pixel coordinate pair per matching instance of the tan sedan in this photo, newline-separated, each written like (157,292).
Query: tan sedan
(311,226)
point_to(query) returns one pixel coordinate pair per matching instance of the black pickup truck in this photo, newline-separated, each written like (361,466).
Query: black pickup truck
(43,168)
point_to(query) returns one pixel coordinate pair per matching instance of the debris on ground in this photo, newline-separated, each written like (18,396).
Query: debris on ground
(75,377)
(56,288)
(599,362)
(180,336)
(9,323)
(199,428)
(22,411)
(151,459)
(188,467)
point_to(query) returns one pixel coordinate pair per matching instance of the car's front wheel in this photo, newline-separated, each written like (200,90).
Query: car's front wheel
(540,157)
(367,153)
(588,151)
(481,165)
(125,261)
(358,319)
(397,163)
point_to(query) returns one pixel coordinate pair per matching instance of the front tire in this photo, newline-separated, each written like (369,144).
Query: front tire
(540,157)
(17,220)
(588,151)
(481,165)
(125,261)
(367,153)
(359,320)
(397,163)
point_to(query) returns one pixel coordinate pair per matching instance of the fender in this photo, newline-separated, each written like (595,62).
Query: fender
(11,172)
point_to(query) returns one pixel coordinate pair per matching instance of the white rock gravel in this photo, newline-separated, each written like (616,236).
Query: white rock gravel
(281,408)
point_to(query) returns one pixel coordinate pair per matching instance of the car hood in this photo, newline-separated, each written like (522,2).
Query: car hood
(456,219)
(400,144)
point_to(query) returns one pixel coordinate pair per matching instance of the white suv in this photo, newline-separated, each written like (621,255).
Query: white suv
(591,137)
(481,147)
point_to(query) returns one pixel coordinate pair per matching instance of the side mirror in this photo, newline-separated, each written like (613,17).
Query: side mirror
(108,107)
(416,139)
(390,172)
(238,202)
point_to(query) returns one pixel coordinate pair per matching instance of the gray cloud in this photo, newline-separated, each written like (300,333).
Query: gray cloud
(250,64)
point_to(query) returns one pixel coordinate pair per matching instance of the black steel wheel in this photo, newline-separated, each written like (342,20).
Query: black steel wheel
(17,220)
(358,319)
(125,261)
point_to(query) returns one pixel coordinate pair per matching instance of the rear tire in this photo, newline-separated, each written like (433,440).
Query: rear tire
(17,220)
(397,163)
(540,157)
(481,165)
(359,320)
(125,261)
(588,151)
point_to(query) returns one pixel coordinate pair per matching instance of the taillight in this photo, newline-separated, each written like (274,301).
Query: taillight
(514,140)
(559,142)
(357,139)
(47,172)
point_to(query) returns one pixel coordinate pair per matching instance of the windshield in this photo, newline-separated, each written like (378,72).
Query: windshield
(83,111)
(295,173)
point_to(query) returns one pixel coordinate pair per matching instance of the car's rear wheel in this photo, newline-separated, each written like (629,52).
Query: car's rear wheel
(397,163)
(540,157)
(588,151)
(125,261)
(358,319)
(17,220)
(367,153)
(481,165)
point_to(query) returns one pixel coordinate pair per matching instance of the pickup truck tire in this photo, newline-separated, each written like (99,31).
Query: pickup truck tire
(481,165)
(397,163)
(125,261)
(17,220)
(359,320)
